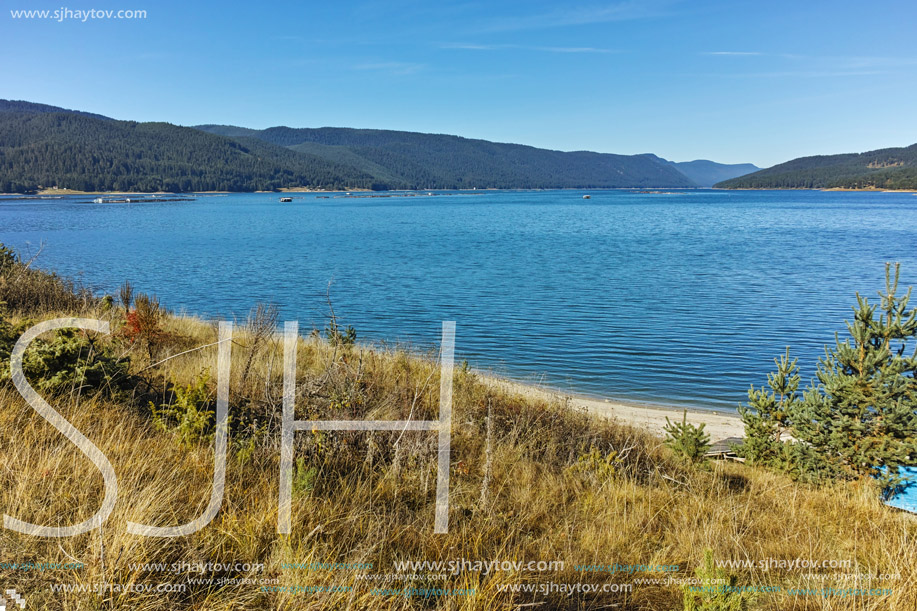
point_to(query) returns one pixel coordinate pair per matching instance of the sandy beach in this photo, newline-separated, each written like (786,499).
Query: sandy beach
(649,417)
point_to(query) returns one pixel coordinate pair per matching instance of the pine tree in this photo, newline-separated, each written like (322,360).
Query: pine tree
(861,417)
(718,590)
(767,415)
(687,440)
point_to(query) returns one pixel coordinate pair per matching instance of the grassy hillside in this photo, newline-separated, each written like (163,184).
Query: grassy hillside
(530,481)
(892,168)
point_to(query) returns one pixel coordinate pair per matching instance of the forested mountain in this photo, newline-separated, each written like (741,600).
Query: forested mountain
(75,151)
(892,168)
(35,108)
(423,161)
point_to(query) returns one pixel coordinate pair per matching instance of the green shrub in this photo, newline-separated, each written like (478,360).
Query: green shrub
(8,336)
(247,440)
(596,465)
(304,477)
(187,415)
(336,337)
(687,440)
(72,361)
(8,258)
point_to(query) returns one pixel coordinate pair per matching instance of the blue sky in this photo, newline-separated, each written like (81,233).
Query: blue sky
(732,81)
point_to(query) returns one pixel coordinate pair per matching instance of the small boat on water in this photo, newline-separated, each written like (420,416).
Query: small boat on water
(285,200)
(587,197)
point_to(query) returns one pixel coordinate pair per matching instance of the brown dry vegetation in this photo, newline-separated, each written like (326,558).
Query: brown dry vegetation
(549,490)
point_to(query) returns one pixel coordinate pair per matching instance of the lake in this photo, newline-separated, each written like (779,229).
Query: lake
(678,298)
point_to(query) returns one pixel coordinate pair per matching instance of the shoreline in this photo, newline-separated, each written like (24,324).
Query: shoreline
(62,192)
(650,417)
(822,189)
(43,192)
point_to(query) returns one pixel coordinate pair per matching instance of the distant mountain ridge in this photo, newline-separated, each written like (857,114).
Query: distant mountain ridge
(891,168)
(707,173)
(45,146)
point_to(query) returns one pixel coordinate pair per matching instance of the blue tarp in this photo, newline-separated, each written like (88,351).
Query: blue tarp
(904,496)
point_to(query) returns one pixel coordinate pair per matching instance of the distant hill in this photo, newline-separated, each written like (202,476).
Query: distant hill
(706,173)
(892,168)
(411,160)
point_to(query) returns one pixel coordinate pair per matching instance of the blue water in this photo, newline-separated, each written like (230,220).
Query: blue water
(682,299)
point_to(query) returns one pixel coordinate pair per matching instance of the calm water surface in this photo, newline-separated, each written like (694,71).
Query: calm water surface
(682,299)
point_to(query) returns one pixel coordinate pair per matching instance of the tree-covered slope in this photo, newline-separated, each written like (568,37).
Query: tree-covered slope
(74,151)
(414,160)
(35,108)
(892,168)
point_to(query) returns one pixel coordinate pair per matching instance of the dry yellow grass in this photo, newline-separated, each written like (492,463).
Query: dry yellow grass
(370,500)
